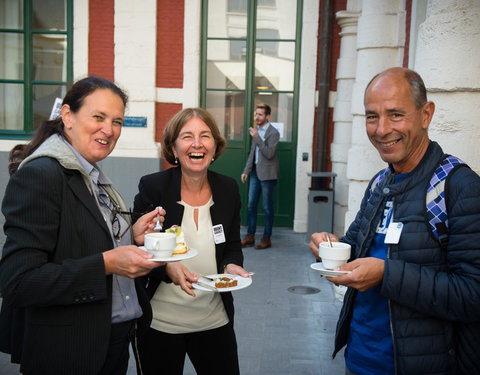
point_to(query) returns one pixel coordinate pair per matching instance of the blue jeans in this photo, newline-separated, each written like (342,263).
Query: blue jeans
(267,188)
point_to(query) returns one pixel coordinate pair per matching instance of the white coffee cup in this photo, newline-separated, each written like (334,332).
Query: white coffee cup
(161,245)
(333,257)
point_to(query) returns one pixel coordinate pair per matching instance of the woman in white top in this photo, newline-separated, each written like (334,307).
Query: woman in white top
(199,324)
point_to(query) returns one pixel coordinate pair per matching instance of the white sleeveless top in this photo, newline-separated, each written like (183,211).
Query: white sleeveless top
(174,311)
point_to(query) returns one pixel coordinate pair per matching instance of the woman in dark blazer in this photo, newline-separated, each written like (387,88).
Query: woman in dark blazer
(198,200)
(70,305)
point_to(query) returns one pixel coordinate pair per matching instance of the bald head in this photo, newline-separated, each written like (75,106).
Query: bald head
(418,91)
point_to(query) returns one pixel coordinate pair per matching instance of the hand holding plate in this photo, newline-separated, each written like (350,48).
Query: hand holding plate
(129,261)
(366,273)
(234,269)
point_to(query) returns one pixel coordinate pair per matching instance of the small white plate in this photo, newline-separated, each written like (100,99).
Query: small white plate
(243,282)
(324,272)
(174,258)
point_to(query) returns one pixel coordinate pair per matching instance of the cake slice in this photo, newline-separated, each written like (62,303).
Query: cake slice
(223,281)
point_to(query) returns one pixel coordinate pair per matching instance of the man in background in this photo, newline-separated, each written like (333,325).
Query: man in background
(262,165)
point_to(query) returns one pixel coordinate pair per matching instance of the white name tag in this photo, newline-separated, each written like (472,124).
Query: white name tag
(393,233)
(218,234)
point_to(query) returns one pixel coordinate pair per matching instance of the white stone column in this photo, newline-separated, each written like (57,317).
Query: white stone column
(380,42)
(306,111)
(135,45)
(447,58)
(342,114)
(80,39)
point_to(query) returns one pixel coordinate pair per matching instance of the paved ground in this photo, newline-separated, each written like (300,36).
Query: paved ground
(278,332)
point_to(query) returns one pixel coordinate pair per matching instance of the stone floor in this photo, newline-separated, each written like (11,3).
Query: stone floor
(279,332)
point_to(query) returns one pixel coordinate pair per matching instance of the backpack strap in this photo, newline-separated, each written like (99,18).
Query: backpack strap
(375,182)
(435,202)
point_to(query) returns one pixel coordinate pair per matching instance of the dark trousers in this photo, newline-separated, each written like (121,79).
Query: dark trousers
(211,352)
(116,362)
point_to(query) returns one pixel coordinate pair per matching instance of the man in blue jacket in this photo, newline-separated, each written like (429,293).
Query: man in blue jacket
(412,306)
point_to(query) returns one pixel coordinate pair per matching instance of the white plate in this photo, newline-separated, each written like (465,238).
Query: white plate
(243,282)
(324,272)
(174,258)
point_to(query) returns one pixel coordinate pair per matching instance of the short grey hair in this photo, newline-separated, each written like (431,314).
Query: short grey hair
(418,91)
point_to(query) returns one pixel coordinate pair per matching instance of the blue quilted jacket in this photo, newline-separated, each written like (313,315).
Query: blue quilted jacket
(433,295)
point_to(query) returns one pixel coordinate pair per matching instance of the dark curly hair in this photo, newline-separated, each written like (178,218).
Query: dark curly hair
(74,98)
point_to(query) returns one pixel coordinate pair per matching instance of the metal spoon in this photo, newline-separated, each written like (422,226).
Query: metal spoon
(158,226)
(329,241)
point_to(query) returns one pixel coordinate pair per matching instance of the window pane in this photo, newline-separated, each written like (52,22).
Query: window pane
(49,57)
(275,72)
(43,100)
(11,106)
(282,109)
(237,6)
(227,18)
(11,56)
(49,15)
(11,14)
(227,108)
(279,16)
(224,69)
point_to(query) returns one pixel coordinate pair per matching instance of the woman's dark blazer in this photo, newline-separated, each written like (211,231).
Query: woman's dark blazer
(57,300)
(163,189)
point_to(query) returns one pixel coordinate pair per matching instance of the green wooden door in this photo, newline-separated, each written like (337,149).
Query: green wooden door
(250,54)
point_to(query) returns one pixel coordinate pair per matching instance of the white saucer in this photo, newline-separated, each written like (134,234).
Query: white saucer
(325,272)
(174,258)
(243,282)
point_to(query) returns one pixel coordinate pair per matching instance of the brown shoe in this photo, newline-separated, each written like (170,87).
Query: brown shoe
(248,240)
(264,243)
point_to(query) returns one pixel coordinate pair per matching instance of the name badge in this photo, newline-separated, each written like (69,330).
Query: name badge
(393,233)
(218,234)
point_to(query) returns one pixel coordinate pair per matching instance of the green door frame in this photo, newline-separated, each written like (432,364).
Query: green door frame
(285,207)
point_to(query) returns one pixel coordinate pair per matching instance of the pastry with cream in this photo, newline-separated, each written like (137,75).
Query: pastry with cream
(180,247)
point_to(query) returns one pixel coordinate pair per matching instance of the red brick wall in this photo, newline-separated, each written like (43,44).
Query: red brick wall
(163,113)
(170,34)
(169,69)
(101,55)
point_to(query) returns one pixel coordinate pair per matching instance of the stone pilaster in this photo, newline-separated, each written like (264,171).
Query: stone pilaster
(380,42)
(447,58)
(342,115)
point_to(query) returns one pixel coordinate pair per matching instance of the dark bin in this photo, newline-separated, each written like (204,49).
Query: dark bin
(321,197)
